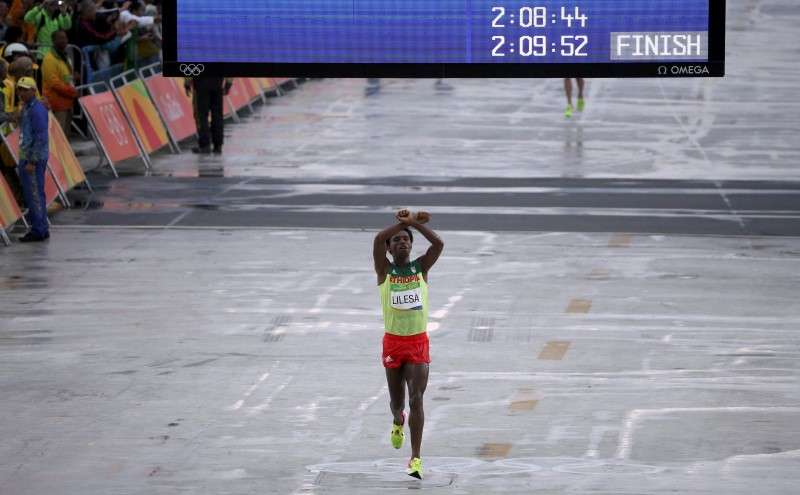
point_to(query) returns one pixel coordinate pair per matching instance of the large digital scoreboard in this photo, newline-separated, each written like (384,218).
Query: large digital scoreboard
(445,38)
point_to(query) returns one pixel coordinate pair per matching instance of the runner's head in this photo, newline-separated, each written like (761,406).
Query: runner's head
(399,245)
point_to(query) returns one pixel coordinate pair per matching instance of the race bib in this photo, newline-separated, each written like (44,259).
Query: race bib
(407,299)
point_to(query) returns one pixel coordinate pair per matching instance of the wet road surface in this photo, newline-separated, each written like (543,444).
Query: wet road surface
(615,311)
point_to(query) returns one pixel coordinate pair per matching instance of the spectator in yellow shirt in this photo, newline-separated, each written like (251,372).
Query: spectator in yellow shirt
(58,80)
(7,88)
(19,68)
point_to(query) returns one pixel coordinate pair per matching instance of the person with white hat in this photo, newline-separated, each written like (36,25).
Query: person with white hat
(14,50)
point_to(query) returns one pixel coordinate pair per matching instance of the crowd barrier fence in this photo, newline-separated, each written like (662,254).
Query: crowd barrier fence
(107,124)
(135,114)
(64,170)
(235,100)
(9,210)
(172,104)
(138,108)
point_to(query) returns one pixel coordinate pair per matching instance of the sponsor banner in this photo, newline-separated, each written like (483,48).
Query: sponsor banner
(252,88)
(62,159)
(170,99)
(112,129)
(268,83)
(146,122)
(9,209)
(237,97)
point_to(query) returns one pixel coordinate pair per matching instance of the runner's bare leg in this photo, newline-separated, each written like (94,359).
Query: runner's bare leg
(397,393)
(568,89)
(416,376)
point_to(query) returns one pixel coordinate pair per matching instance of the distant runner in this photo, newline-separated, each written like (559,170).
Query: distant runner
(403,286)
(568,90)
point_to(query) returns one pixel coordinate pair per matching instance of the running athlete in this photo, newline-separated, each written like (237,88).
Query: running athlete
(568,90)
(403,286)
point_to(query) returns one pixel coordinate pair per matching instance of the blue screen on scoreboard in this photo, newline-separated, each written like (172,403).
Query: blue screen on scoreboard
(360,33)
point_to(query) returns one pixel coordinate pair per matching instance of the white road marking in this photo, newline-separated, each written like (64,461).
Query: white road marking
(239,403)
(266,403)
(629,425)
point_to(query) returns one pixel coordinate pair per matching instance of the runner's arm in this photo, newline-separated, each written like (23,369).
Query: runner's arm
(428,259)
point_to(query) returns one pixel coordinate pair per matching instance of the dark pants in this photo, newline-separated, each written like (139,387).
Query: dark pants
(208,98)
(35,201)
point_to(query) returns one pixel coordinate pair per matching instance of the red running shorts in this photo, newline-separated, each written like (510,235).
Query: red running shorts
(399,349)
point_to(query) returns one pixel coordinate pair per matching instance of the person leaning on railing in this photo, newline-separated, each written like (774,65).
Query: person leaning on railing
(142,47)
(102,29)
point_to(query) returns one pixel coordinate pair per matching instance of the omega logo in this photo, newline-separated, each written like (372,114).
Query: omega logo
(684,70)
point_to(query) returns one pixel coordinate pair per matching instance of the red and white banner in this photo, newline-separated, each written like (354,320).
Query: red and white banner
(113,131)
(252,88)
(173,105)
(238,97)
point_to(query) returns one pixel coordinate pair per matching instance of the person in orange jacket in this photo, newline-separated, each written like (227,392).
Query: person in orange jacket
(58,78)
(16,17)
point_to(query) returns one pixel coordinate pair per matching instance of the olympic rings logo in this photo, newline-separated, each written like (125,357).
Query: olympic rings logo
(191,69)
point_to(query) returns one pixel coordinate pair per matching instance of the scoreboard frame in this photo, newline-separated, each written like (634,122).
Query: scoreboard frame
(714,67)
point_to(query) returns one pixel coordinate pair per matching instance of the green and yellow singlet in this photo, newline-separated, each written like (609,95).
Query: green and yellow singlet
(404,298)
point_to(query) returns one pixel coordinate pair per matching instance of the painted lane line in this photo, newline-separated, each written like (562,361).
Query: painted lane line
(451,301)
(239,403)
(354,427)
(625,442)
(596,438)
(322,299)
(266,403)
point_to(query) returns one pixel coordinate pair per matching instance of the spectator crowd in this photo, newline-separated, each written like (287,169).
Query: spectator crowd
(51,41)
(47,49)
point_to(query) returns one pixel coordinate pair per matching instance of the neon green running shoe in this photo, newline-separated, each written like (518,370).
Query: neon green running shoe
(415,468)
(581,104)
(568,111)
(397,436)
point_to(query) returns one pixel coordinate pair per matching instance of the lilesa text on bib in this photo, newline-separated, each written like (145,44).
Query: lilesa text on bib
(407,299)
